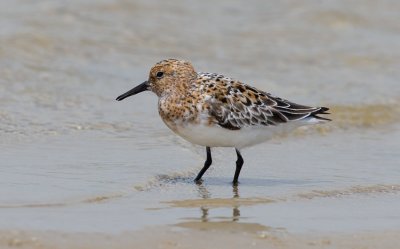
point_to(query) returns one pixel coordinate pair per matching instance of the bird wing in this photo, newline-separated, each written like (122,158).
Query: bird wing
(237,105)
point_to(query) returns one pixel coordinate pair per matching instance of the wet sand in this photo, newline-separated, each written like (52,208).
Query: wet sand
(222,236)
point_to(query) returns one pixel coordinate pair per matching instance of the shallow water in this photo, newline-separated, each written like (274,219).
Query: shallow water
(74,159)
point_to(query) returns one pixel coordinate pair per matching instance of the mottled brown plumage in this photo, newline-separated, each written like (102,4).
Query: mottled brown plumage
(228,103)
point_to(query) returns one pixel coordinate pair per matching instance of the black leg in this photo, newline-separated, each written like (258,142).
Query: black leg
(207,164)
(239,164)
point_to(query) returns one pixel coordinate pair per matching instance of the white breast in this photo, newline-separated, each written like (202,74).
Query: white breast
(216,136)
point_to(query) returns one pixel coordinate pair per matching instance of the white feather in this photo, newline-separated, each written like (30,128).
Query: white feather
(217,136)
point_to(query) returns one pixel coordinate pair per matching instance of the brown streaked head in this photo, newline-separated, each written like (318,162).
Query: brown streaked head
(165,77)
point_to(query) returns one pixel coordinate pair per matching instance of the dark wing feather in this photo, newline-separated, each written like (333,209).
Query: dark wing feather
(293,111)
(238,108)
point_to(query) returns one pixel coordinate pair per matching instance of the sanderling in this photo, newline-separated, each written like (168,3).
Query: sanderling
(212,110)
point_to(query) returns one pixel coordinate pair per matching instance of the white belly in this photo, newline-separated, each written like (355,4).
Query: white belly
(216,136)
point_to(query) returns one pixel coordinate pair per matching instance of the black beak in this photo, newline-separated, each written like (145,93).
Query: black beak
(140,88)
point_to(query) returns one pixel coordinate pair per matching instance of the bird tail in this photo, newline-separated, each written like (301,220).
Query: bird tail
(323,111)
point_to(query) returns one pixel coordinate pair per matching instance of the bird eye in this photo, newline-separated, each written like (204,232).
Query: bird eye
(159,74)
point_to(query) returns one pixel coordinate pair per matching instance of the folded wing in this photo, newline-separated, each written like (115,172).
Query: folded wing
(242,105)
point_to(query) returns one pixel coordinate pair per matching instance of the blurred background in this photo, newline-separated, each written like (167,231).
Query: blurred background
(70,153)
(62,63)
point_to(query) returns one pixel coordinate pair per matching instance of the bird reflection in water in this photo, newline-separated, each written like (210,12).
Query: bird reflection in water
(206,195)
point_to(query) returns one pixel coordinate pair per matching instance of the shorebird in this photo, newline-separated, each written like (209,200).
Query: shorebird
(212,110)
